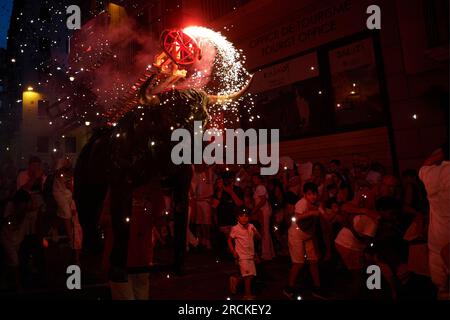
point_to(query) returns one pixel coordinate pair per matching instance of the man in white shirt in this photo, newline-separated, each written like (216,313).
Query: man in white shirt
(302,239)
(32,180)
(435,174)
(202,187)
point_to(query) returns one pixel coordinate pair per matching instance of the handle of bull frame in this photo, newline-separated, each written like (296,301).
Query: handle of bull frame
(197,52)
(143,90)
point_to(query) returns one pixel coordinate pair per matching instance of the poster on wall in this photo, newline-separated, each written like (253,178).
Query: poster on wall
(355,83)
(289,97)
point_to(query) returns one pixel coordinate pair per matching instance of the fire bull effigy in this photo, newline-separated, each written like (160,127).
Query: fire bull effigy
(136,150)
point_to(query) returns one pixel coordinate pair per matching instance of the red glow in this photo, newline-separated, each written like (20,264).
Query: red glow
(181,48)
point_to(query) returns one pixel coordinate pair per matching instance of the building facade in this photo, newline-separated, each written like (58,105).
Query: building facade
(38,40)
(337,89)
(334,88)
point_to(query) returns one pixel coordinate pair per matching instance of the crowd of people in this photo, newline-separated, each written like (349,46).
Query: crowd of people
(36,206)
(327,214)
(345,217)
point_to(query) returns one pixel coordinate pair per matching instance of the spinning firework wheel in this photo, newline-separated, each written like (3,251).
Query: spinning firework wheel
(181,48)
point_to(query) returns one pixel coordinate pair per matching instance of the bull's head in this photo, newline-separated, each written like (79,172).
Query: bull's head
(179,52)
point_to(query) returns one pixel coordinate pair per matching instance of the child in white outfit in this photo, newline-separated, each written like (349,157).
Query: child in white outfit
(243,249)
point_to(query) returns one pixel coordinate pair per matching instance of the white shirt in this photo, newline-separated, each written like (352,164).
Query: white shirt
(243,237)
(300,208)
(24,177)
(437,183)
(202,185)
(373,177)
(364,226)
(261,191)
(346,239)
(63,197)
(305,171)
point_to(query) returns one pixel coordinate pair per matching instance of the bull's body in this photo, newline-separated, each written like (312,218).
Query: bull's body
(134,152)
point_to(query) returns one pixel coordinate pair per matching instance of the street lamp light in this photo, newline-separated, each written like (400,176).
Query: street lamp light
(30,88)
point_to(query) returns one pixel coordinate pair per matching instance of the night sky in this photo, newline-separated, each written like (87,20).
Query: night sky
(5,14)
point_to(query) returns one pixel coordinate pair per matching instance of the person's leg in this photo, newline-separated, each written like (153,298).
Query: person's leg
(10,243)
(297,253)
(199,234)
(388,275)
(191,239)
(248,271)
(207,224)
(353,261)
(222,238)
(77,253)
(234,282)
(312,254)
(248,286)
(355,283)
(12,272)
(74,232)
(68,228)
(171,228)
(439,275)
(180,196)
(122,290)
(268,252)
(314,269)
(207,235)
(200,221)
(293,274)
(140,283)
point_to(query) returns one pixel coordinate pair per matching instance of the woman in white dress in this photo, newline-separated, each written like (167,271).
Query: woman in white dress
(263,211)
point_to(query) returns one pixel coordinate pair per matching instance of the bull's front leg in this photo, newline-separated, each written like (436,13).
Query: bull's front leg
(120,210)
(181,182)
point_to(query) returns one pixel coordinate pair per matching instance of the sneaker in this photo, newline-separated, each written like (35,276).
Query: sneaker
(320,294)
(289,292)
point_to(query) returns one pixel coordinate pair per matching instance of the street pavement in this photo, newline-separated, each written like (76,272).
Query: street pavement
(205,277)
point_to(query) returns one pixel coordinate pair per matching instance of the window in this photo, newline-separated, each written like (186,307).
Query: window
(214,9)
(289,98)
(355,85)
(70,144)
(42,144)
(335,88)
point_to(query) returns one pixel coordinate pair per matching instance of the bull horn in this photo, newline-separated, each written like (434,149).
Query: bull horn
(236,95)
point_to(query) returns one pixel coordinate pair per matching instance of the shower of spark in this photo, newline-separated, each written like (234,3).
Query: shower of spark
(226,75)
